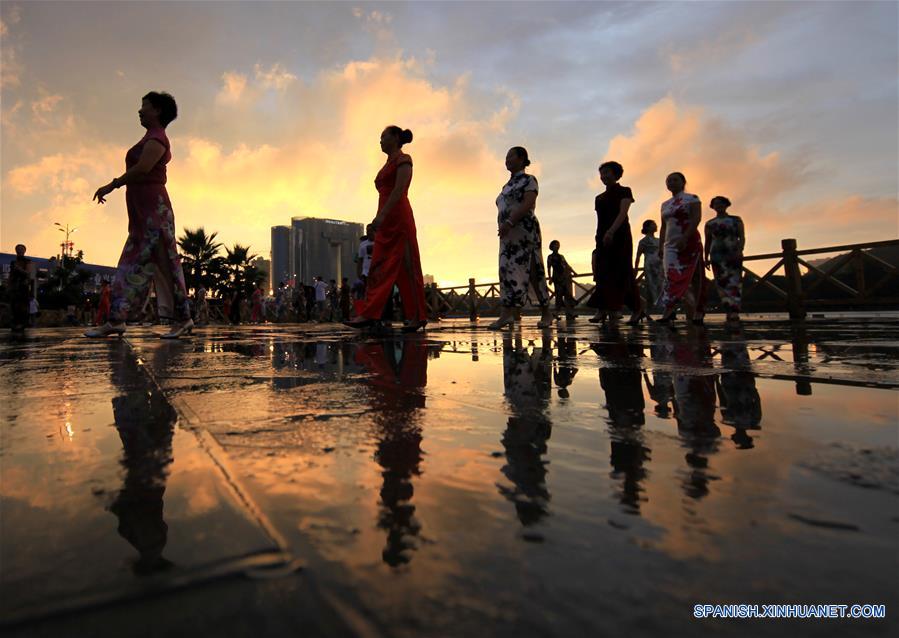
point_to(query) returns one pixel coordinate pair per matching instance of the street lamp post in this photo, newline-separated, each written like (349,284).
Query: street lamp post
(68,245)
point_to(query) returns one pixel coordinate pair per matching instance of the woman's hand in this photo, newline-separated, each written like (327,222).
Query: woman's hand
(608,237)
(504,229)
(376,222)
(102,192)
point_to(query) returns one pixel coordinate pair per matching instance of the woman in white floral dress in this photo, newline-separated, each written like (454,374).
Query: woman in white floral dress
(681,252)
(520,251)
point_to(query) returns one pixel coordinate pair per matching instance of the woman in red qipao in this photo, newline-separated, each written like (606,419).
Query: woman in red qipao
(395,259)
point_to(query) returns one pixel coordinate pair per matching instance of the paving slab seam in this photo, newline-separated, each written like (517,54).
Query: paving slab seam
(191,423)
(249,566)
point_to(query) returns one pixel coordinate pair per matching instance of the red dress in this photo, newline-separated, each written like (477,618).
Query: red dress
(103,307)
(395,258)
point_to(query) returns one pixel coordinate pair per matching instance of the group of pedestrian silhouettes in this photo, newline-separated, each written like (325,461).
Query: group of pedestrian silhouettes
(673,263)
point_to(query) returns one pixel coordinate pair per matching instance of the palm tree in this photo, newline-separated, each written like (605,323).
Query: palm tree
(198,250)
(243,273)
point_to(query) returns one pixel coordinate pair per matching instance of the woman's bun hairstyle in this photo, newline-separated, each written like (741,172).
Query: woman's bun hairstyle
(403,136)
(522,152)
(720,198)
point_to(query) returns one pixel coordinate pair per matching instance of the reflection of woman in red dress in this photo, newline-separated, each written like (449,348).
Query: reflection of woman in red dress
(396,387)
(395,259)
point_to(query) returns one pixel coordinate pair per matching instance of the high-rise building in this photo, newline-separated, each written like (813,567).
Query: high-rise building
(280,256)
(325,247)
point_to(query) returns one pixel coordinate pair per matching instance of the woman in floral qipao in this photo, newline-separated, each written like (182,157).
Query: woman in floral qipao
(724,241)
(520,252)
(681,252)
(151,252)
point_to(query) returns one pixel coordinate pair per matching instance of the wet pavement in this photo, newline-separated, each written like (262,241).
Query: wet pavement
(293,479)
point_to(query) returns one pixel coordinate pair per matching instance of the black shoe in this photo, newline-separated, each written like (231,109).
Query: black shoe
(636,320)
(413,327)
(360,324)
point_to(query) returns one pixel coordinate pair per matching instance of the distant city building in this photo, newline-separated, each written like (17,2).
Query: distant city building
(429,280)
(280,256)
(45,267)
(325,247)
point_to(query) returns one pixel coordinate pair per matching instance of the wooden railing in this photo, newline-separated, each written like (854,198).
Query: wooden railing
(782,288)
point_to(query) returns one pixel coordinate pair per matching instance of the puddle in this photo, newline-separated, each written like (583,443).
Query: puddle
(474,483)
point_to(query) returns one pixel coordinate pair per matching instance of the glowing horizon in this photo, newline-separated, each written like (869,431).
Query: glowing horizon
(747,100)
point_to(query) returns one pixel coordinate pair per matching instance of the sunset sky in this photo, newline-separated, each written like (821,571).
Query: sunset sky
(788,108)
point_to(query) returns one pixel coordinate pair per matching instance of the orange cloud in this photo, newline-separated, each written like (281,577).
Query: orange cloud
(324,158)
(844,220)
(233,87)
(719,159)
(46,104)
(10,67)
(326,168)
(277,77)
(322,164)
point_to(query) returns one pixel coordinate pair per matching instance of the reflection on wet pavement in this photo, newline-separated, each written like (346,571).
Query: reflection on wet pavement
(145,423)
(88,452)
(466,482)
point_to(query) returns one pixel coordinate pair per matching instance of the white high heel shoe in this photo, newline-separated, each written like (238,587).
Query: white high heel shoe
(105,330)
(185,328)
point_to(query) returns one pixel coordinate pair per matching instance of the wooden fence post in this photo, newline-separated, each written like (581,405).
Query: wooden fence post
(795,305)
(858,265)
(472,300)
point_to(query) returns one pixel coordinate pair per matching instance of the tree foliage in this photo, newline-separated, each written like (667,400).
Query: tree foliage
(65,285)
(200,258)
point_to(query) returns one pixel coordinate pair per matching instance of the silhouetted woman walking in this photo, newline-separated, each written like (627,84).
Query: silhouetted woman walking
(395,258)
(616,285)
(151,251)
(520,252)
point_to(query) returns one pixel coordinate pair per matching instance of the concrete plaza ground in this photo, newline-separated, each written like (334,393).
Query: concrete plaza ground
(308,480)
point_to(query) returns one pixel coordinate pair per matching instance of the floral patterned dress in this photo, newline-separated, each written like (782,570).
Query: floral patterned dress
(520,251)
(726,254)
(558,266)
(652,269)
(151,249)
(680,262)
